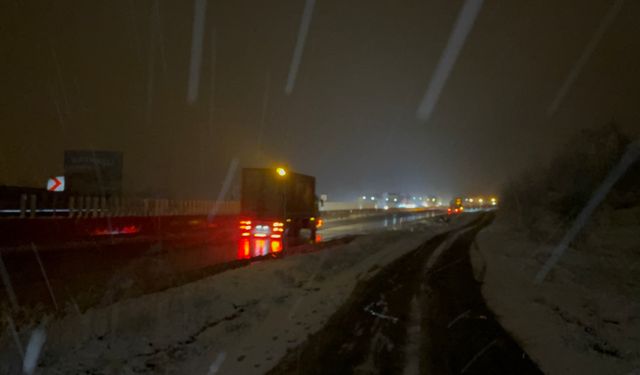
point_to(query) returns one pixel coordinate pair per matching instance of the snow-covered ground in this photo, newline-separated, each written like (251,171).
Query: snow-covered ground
(585,317)
(241,321)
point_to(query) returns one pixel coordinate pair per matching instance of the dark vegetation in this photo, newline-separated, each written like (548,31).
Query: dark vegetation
(544,200)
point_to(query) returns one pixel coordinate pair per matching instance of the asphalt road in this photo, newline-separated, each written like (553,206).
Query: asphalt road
(423,313)
(100,273)
(364,225)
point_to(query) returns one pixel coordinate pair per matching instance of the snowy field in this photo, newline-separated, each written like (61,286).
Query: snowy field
(241,321)
(585,317)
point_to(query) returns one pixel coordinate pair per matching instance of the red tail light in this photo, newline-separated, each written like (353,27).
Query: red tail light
(244,249)
(245,228)
(276,246)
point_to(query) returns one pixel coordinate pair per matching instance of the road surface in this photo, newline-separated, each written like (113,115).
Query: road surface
(420,313)
(100,273)
(344,227)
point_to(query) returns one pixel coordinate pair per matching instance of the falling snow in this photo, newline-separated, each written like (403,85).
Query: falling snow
(584,57)
(305,22)
(197,37)
(458,37)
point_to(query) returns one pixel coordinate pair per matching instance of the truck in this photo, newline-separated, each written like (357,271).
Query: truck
(276,205)
(455,206)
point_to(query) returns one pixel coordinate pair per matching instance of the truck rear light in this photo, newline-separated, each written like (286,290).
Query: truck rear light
(276,246)
(245,224)
(245,234)
(244,249)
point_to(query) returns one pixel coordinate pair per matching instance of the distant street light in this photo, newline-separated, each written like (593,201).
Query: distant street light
(281,171)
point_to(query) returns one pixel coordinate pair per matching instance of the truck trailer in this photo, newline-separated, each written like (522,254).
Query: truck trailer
(276,205)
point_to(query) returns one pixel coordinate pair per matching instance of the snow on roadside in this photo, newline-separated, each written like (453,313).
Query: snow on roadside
(585,317)
(239,321)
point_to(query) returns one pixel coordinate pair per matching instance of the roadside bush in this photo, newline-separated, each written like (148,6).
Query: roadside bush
(544,200)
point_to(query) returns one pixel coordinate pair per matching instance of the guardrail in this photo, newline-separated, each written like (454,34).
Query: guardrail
(30,206)
(85,206)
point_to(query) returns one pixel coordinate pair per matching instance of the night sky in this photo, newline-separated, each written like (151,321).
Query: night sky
(113,75)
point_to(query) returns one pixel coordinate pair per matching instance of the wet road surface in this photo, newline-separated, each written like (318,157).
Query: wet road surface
(359,226)
(101,273)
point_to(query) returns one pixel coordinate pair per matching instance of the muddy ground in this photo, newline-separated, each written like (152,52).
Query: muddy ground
(413,319)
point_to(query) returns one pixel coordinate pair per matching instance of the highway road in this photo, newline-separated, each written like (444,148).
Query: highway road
(101,273)
(423,312)
(358,226)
